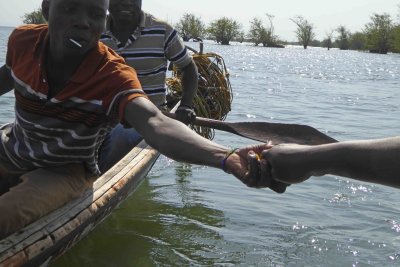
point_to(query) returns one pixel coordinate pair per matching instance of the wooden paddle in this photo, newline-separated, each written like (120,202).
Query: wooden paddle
(277,133)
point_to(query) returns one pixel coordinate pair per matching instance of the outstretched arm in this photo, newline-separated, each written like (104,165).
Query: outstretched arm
(6,80)
(175,140)
(375,161)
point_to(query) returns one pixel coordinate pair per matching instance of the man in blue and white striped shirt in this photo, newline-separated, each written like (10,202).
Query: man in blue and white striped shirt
(147,44)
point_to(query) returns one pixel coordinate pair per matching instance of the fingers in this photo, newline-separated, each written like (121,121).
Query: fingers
(278,187)
(253,174)
(265,179)
(259,174)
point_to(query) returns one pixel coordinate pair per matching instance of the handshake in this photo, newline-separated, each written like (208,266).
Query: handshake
(276,167)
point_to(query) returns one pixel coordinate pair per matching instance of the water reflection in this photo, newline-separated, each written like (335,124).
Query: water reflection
(151,229)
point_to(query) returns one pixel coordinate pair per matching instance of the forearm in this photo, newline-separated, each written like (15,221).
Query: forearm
(175,140)
(189,84)
(6,80)
(376,161)
(172,138)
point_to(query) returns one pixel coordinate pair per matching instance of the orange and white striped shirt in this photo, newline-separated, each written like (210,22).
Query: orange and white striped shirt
(69,127)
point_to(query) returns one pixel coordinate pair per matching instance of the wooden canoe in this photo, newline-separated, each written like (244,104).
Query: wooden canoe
(51,236)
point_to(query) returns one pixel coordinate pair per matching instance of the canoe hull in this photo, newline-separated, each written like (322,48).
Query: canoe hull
(51,236)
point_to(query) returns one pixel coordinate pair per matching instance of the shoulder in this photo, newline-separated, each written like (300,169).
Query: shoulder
(116,69)
(27,32)
(110,59)
(152,21)
(23,42)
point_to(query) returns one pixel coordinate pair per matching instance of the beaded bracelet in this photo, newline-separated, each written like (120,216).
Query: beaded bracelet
(228,154)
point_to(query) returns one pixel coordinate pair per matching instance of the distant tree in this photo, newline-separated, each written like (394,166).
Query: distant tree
(328,42)
(224,30)
(396,39)
(256,31)
(379,33)
(343,38)
(34,17)
(357,41)
(190,26)
(305,30)
(316,43)
(241,36)
(271,38)
(396,34)
(398,14)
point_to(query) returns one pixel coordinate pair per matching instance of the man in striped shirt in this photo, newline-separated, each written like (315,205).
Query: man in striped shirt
(147,44)
(69,91)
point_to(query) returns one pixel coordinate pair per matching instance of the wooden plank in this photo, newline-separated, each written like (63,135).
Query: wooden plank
(61,229)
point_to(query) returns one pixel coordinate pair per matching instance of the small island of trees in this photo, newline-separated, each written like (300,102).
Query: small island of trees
(380,35)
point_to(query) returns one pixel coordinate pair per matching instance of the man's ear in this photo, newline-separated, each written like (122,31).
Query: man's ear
(45,9)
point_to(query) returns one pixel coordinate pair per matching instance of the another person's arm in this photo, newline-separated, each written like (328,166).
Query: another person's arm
(375,161)
(189,83)
(175,140)
(6,80)
(177,53)
(185,111)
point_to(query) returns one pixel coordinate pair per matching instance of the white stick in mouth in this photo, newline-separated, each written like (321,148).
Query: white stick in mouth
(76,43)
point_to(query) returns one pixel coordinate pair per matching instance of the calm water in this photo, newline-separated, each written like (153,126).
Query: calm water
(186,215)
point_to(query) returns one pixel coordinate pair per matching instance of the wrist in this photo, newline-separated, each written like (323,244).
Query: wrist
(228,154)
(322,159)
(185,106)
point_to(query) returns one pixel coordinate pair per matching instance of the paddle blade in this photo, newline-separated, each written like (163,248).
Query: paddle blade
(279,133)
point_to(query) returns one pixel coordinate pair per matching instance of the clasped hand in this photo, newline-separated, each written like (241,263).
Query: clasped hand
(249,166)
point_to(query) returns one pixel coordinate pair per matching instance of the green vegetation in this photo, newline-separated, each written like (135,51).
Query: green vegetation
(357,41)
(35,17)
(260,34)
(396,39)
(224,30)
(342,40)
(380,35)
(304,32)
(327,42)
(190,27)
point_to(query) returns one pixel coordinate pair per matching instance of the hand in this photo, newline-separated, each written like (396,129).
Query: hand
(288,163)
(245,165)
(185,114)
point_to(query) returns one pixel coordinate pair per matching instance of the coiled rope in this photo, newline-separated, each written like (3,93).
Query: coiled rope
(214,95)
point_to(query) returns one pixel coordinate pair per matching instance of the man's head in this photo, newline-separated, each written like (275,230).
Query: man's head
(125,10)
(80,20)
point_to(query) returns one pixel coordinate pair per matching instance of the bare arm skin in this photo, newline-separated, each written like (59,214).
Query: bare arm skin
(189,83)
(185,112)
(375,161)
(6,80)
(175,140)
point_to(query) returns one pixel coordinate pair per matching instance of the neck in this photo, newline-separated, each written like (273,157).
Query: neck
(118,26)
(64,62)
(59,70)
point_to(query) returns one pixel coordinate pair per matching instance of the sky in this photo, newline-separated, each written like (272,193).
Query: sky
(324,15)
